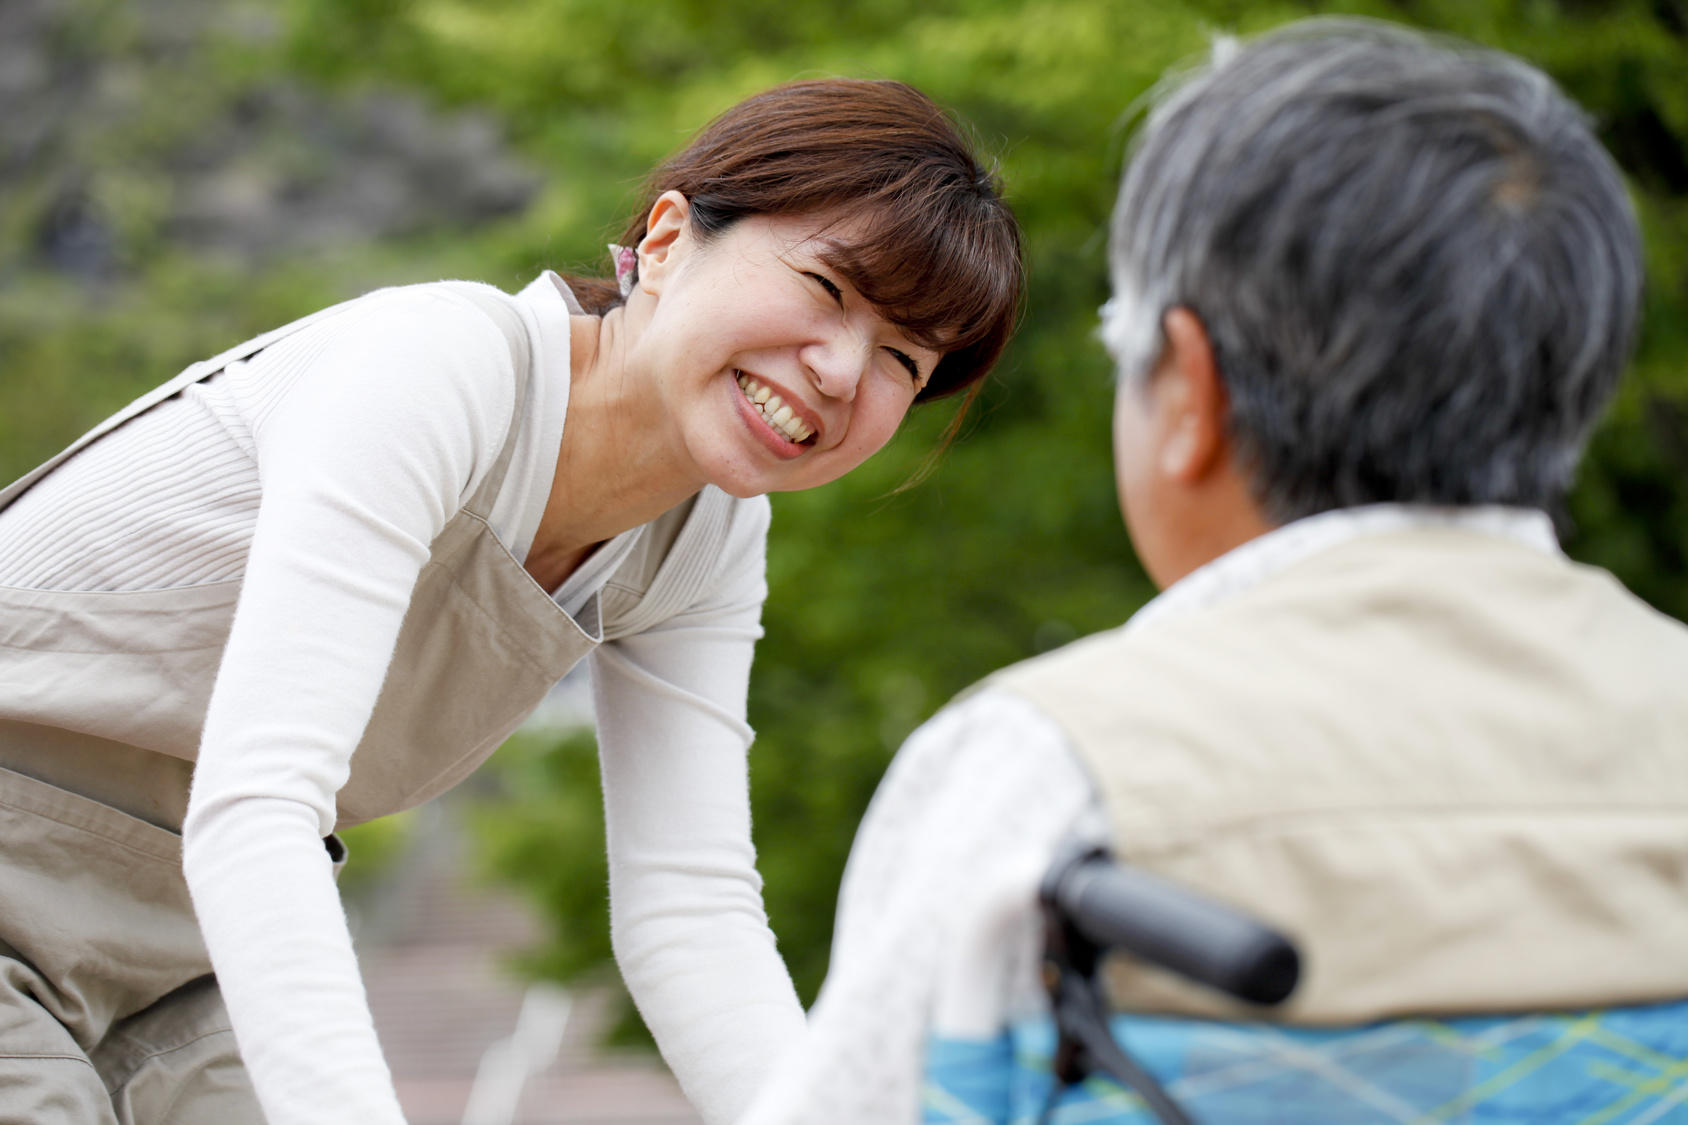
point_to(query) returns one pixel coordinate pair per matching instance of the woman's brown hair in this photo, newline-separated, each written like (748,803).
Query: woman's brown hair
(934,247)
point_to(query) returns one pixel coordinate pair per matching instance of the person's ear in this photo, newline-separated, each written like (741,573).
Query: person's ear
(1194,406)
(667,228)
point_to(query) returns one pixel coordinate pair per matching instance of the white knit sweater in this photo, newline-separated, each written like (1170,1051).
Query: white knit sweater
(319,471)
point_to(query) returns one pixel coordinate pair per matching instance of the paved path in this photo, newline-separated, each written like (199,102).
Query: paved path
(431,948)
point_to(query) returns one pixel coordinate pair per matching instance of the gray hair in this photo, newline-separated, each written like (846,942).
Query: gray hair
(1419,271)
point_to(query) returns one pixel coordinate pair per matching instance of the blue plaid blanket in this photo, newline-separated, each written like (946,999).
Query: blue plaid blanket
(1620,1067)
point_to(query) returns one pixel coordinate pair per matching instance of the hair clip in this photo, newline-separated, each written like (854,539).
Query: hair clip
(626,267)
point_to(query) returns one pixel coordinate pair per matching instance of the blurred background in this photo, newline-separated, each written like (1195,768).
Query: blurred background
(177,175)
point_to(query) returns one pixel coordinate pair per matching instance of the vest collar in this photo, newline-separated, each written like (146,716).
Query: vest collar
(1266,555)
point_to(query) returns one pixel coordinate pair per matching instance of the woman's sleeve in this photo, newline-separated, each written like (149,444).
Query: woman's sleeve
(388,415)
(690,933)
(937,933)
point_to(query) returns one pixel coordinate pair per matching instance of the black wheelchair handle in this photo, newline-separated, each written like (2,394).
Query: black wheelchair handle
(1116,907)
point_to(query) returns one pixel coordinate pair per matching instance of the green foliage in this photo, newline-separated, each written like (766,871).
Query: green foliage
(373,850)
(544,830)
(883,603)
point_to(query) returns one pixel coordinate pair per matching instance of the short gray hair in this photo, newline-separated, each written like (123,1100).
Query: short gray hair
(1419,270)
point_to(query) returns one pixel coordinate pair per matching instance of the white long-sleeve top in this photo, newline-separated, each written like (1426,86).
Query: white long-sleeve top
(319,472)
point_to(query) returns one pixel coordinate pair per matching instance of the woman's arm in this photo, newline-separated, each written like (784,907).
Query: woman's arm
(937,931)
(690,933)
(385,417)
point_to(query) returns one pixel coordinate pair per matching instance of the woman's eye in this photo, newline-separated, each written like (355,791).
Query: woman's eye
(832,290)
(908,363)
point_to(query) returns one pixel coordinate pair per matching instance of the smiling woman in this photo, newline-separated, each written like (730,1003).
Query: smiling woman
(759,311)
(318,578)
(932,243)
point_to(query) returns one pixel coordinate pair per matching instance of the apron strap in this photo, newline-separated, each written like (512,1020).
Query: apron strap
(494,303)
(497,305)
(192,374)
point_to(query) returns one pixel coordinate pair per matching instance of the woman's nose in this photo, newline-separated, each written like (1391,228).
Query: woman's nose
(837,364)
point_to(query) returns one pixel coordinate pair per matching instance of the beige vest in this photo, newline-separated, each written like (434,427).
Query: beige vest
(1453,767)
(105,694)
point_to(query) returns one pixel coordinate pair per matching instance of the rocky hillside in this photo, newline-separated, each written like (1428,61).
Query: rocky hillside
(131,128)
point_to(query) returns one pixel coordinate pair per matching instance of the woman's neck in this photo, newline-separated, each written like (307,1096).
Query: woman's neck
(617,466)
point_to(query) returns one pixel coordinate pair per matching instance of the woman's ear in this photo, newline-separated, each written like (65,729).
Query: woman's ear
(667,237)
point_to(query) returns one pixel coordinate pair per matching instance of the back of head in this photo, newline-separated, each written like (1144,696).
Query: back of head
(1418,269)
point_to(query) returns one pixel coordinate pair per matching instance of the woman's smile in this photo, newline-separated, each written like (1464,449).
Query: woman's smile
(787,419)
(819,378)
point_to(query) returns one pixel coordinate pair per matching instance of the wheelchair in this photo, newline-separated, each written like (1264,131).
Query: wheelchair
(1087,1064)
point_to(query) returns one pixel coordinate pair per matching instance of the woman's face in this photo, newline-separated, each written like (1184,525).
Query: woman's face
(773,370)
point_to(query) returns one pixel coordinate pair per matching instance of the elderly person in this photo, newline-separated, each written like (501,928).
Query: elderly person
(1371,293)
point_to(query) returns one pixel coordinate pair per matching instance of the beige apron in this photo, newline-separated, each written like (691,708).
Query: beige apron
(102,698)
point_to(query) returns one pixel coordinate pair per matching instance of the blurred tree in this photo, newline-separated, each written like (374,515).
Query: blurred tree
(883,603)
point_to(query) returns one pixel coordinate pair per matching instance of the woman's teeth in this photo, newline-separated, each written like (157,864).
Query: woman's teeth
(774,411)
